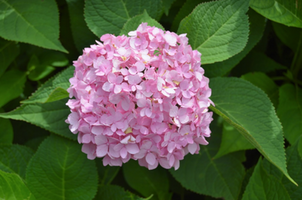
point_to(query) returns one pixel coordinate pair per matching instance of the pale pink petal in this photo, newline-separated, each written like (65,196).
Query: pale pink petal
(97,130)
(100,139)
(134,79)
(86,138)
(176,164)
(150,158)
(115,98)
(132,148)
(171,160)
(123,152)
(126,104)
(201,140)
(192,148)
(125,140)
(101,150)
(107,87)
(140,66)
(171,147)
(144,130)
(173,111)
(117,89)
(89,149)
(111,77)
(170,39)
(148,112)
(132,70)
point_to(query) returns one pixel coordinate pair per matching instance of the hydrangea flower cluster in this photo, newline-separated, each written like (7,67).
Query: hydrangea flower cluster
(142,97)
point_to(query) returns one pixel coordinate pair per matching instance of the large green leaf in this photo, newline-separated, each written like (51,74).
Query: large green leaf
(138,177)
(257,25)
(167,5)
(54,89)
(50,116)
(11,85)
(217,29)
(185,10)
(250,111)
(114,192)
(288,35)
(263,186)
(287,12)
(82,36)
(59,170)
(8,52)
(31,21)
(106,173)
(12,187)
(219,178)
(268,183)
(109,16)
(265,83)
(14,159)
(290,111)
(37,70)
(134,22)
(7,133)
(232,141)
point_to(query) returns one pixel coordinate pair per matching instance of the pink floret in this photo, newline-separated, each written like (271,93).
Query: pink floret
(143,97)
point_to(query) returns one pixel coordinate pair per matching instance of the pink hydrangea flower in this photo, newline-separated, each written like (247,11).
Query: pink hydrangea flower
(142,97)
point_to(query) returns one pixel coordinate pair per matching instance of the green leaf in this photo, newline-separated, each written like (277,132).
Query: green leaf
(219,178)
(217,29)
(57,94)
(38,70)
(82,36)
(41,72)
(13,187)
(257,25)
(15,158)
(246,179)
(294,163)
(256,62)
(7,133)
(40,67)
(263,186)
(11,85)
(282,11)
(59,170)
(273,181)
(265,83)
(8,52)
(232,141)
(31,21)
(185,10)
(53,89)
(114,192)
(35,142)
(288,35)
(167,5)
(104,16)
(106,173)
(54,58)
(134,22)
(290,111)
(249,110)
(139,177)
(50,116)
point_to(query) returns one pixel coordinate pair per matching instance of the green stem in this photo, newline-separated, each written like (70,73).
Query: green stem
(297,61)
